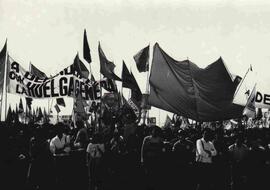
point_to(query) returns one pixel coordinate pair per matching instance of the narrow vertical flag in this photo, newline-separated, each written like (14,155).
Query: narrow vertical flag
(29,102)
(127,79)
(35,71)
(57,108)
(9,115)
(136,92)
(21,106)
(259,114)
(86,49)
(168,122)
(142,59)
(93,78)
(80,67)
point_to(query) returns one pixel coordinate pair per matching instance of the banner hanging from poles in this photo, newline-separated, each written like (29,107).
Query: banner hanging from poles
(181,87)
(67,83)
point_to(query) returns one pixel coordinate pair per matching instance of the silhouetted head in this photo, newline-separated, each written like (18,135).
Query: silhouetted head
(239,139)
(79,124)
(207,135)
(156,131)
(182,134)
(97,138)
(59,129)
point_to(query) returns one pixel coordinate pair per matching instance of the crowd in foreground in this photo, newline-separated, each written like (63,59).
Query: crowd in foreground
(133,157)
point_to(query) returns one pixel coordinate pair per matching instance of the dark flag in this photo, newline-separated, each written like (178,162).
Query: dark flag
(35,71)
(40,114)
(60,102)
(57,108)
(80,67)
(106,66)
(93,78)
(21,106)
(168,122)
(142,59)
(259,114)
(28,102)
(86,49)
(9,115)
(127,79)
(45,115)
(3,55)
(136,93)
(16,115)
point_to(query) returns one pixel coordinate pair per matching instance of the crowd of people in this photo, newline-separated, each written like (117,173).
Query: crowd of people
(134,157)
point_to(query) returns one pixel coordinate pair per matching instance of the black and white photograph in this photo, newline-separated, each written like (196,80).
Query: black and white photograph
(134,94)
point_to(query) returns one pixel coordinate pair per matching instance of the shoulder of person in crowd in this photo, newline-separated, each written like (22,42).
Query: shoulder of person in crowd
(147,138)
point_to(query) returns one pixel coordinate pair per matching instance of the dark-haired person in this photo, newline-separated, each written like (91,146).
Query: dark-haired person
(41,160)
(221,161)
(151,157)
(183,152)
(82,138)
(60,144)
(60,148)
(257,160)
(205,151)
(238,157)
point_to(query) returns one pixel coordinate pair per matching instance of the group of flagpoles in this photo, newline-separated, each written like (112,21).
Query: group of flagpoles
(48,106)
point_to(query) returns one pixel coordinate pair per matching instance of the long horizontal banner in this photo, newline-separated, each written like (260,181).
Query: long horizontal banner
(67,83)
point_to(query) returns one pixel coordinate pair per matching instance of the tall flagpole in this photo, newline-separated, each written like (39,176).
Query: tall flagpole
(90,76)
(6,86)
(2,96)
(25,112)
(146,112)
(241,82)
(99,119)
(159,117)
(74,95)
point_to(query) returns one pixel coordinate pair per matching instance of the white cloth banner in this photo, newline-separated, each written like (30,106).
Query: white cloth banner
(66,83)
(242,93)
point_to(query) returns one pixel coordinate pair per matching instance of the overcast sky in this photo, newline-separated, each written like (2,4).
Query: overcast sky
(49,33)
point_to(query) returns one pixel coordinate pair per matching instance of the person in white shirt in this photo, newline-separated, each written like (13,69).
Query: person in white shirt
(205,150)
(61,142)
(95,151)
(60,147)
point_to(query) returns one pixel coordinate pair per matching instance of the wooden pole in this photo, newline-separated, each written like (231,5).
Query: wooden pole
(6,67)
(147,90)
(2,96)
(241,82)
(25,112)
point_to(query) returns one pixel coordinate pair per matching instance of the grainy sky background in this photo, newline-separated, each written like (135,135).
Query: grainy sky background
(49,33)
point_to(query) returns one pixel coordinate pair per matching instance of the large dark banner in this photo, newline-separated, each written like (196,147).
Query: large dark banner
(183,88)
